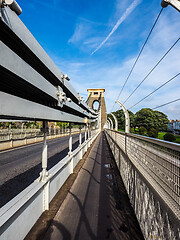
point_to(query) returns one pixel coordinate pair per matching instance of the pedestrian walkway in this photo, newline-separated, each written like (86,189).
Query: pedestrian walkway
(96,206)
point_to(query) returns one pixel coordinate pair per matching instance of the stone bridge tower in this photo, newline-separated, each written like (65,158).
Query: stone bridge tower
(94,96)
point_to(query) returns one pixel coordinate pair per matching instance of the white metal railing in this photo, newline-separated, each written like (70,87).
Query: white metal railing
(157,160)
(17,138)
(19,215)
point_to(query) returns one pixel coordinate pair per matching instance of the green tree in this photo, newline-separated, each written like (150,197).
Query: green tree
(153,133)
(169,137)
(161,121)
(143,131)
(150,119)
(30,124)
(145,118)
(62,124)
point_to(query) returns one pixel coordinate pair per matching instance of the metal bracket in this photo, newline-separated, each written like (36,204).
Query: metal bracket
(80,98)
(12,4)
(64,77)
(90,115)
(2,5)
(173,3)
(61,96)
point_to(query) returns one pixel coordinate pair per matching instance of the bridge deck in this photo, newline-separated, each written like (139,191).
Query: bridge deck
(97,206)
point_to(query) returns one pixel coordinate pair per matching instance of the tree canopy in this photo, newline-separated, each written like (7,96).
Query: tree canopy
(148,122)
(150,119)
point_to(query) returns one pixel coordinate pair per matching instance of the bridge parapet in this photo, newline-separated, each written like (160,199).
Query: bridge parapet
(151,173)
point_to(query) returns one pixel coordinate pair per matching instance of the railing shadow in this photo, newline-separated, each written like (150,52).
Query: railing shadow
(61,228)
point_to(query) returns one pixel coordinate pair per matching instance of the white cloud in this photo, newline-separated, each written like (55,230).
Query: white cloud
(92,73)
(79,33)
(121,20)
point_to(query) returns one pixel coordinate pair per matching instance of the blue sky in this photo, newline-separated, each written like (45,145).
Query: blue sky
(97,42)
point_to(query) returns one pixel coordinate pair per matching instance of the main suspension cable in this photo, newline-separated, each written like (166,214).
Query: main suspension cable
(139,55)
(155,90)
(166,103)
(152,69)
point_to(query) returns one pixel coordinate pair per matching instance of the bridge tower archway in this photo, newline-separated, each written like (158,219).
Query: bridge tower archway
(96,100)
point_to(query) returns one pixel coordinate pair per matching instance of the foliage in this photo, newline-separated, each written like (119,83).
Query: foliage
(31,124)
(177,139)
(147,121)
(169,137)
(161,135)
(132,130)
(153,133)
(162,121)
(62,124)
(10,124)
(143,131)
(144,118)
(150,119)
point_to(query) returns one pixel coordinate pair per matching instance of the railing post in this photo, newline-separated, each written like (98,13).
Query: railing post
(90,134)
(80,136)
(70,140)
(71,165)
(25,132)
(85,136)
(10,132)
(88,145)
(80,142)
(49,131)
(44,174)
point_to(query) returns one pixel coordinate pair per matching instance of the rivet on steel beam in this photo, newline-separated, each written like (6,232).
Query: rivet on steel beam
(66,77)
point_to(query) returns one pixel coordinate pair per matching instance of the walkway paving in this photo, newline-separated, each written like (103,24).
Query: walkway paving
(96,206)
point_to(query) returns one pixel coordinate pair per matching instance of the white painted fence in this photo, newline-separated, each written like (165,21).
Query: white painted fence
(17,142)
(19,215)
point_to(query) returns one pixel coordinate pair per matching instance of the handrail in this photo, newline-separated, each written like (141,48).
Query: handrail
(156,160)
(171,145)
(29,77)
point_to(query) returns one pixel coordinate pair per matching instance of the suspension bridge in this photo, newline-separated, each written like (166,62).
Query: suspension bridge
(93,183)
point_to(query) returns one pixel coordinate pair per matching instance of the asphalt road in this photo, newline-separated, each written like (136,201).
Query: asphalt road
(21,166)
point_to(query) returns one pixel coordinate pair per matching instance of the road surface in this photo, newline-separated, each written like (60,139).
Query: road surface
(21,166)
